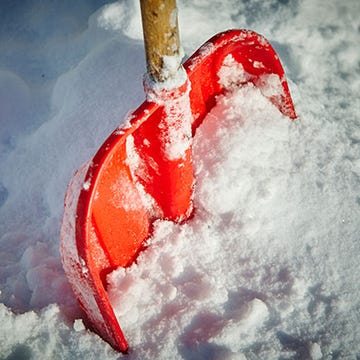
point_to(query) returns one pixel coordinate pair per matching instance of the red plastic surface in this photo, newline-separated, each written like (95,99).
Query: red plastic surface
(112,220)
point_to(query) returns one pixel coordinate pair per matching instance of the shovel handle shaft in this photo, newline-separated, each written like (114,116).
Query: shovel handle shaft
(161,36)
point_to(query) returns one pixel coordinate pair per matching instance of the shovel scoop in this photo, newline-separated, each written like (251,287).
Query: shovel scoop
(143,171)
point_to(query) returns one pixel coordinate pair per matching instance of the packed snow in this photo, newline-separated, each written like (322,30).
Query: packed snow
(268,266)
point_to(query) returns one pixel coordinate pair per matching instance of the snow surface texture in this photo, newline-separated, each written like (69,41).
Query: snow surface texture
(268,267)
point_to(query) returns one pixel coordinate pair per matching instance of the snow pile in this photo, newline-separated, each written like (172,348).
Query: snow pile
(209,286)
(192,271)
(268,266)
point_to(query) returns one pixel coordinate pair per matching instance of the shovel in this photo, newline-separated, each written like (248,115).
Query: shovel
(143,171)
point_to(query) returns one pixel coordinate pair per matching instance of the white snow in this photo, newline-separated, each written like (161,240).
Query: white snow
(175,128)
(227,70)
(268,266)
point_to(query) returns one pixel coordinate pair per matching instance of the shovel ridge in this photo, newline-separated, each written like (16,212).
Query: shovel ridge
(107,219)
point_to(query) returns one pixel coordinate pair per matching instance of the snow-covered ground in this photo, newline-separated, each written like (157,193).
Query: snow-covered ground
(268,267)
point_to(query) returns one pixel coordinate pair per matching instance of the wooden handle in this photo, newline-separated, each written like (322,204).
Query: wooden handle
(161,35)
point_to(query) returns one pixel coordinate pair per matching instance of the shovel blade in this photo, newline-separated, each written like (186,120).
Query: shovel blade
(113,200)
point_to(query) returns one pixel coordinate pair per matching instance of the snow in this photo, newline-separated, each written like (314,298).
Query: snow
(171,71)
(268,266)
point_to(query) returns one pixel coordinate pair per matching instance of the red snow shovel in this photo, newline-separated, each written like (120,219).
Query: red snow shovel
(143,171)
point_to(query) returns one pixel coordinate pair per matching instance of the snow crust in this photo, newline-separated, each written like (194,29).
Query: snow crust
(268,267)
(175,127)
